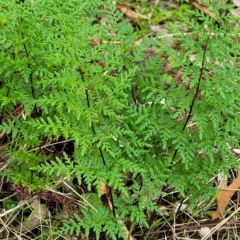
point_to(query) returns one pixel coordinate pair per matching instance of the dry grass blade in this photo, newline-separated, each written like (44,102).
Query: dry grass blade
(84,200)
(213,230)
(18,206)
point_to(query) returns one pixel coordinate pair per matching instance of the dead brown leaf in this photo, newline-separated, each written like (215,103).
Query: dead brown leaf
(203,8)
(104,195)
(129,12)
(225,196)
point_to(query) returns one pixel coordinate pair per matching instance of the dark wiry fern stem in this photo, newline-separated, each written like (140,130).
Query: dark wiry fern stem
(193,101)
(3,109)
(30,76)
(153,215)
(94,133)
(198,85)
(31,81)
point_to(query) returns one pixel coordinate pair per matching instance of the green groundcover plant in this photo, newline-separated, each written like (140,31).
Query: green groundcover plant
(76,71)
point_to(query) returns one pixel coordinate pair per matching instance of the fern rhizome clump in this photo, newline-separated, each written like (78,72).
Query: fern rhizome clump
(83,102)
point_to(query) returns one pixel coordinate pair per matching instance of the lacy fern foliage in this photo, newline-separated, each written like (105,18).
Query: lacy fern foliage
(74,70)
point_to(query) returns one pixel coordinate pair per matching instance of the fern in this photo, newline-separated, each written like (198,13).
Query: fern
(100,221)
(67,75)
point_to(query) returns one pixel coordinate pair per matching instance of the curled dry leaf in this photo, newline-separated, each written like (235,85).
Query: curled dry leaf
(39,213)
(225,196)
